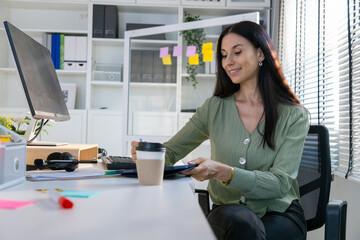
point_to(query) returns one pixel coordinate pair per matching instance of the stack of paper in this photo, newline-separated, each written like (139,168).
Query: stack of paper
(79,173)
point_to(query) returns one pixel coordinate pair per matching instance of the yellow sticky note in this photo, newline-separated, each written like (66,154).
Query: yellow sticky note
(194,60)
(167,60)
(207,47)
(208,56)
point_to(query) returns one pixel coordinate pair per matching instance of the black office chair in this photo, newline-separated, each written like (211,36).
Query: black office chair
(314,180)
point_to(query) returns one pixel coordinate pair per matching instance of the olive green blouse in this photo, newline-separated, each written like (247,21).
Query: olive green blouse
(264,179)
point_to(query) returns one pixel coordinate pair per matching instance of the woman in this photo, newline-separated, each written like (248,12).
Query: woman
(257,130)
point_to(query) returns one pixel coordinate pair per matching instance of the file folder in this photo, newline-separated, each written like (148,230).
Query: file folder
(111,21)
(98,21)
(80,53)
(69,52)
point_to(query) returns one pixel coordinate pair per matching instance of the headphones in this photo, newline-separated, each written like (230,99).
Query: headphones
(55,161)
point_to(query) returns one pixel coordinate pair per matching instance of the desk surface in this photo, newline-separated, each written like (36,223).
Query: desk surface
(123,210)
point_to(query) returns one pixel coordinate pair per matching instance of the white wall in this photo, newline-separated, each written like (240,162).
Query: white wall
(348,190)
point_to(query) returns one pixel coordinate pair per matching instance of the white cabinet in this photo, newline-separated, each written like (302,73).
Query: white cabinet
(72,131)
(156,96)
(106,130)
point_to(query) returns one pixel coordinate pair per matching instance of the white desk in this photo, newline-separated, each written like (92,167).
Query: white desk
(123,210)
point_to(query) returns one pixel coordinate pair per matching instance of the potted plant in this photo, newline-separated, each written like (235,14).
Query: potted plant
(195,37)
(14,124)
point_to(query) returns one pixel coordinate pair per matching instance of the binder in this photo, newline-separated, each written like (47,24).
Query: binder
(170,71)
(69,52)
(81,152)
(111,21)
(146,65)
(53,49)
(61,56)
(159,70)
(80,52)
(46,41)
(57,51)
(135,65)
(98,21)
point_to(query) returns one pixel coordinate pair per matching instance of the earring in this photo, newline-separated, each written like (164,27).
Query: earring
(260,64)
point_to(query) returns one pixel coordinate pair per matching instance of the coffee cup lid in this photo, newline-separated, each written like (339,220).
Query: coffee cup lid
(150,146)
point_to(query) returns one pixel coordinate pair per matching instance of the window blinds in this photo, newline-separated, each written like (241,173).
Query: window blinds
(314,52)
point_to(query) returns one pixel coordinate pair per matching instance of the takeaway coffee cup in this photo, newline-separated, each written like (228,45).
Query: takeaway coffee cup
(150,161)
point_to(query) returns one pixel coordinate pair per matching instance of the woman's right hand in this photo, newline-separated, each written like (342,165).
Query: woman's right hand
(134,144)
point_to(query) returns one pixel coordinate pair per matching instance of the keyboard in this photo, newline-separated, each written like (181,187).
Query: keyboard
(118,162)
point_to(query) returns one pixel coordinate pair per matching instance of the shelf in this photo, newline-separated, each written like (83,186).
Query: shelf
(8,70)
(137,43)
(61,2)
(107,83)
(212,37)
(70,72)
(108,41)
(140,84)
(200,75)
(58,71)
(67,31)
(137,84)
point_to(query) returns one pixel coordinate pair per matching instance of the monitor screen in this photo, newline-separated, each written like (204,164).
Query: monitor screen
(38,76)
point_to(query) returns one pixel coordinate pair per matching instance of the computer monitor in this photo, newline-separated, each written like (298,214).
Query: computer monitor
(39,80)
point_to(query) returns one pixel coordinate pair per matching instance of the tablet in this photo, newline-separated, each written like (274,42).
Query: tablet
(168,170)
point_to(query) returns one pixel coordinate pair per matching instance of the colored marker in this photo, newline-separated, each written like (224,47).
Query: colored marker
(120,172)
(60,199)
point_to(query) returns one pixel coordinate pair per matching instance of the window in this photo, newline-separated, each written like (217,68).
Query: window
(320,56)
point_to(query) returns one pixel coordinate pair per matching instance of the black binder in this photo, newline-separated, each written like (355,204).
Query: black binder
(111,21)
(98,21)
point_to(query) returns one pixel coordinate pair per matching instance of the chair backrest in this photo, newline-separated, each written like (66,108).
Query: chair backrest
(315,176)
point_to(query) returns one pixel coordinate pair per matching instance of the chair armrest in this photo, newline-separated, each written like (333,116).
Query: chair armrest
(204,201)
(335,227)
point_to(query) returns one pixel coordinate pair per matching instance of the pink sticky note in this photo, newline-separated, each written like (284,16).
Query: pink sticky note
(177,51)
(191,51)
(10,204)
(164,52)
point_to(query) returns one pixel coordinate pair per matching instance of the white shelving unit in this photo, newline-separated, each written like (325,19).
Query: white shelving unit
(99,108)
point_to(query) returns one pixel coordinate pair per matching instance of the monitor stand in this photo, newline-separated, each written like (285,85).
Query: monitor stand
(30,133)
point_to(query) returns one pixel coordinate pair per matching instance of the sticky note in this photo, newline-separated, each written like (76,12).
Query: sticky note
(191,51)
(79,193)
(208,56)
(164,51)
(194,60)
(11,204)
(167,60)
(177,51)
(207,47)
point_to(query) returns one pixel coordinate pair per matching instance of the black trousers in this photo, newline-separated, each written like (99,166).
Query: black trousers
(233,221)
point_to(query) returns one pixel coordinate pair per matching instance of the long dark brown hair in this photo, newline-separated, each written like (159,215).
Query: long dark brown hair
(271,81)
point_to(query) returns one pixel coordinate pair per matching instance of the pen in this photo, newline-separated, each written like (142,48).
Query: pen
(120,172)
(112,172)
(60,199)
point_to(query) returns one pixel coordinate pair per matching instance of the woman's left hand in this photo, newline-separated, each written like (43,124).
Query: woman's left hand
(208,169)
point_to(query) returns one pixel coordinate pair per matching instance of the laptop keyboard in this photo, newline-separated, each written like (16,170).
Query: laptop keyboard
(118,162)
